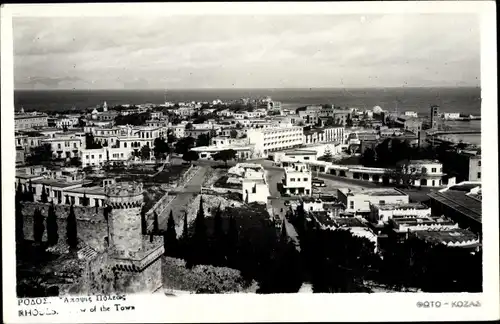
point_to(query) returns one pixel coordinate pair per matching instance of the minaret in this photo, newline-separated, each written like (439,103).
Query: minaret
(105,107)
(22,110)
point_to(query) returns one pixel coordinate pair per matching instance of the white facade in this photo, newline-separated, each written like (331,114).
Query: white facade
(30,120)
(451,116)
(385,212)
(411,114)
(255,189)
(275,139)
(360,201)
(102,156)
(94,157)
(65,147)
(297,180)
(178,130)
(429,172)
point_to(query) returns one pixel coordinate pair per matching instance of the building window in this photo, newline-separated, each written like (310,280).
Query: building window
(100,156)
(381,202)
(59,145)
(292,179)
(434,170)
(479,175)
(479,163)
(351,204)
(306,179)
(92,156)
(87,157)
(124,144)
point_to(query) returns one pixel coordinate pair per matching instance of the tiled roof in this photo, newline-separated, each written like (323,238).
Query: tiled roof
(459,201)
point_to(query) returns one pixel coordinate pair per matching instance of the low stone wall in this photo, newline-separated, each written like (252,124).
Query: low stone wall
(91,225)
(159,206)
(221,190)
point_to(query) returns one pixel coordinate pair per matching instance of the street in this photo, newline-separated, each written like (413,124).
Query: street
(180,202)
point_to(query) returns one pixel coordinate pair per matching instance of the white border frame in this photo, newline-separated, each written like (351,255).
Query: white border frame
(260,308)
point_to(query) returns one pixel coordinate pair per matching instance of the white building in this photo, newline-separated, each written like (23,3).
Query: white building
(275,139)
(65,147)
(178,130)
(67,121)
(297,179)
(243,152)
(29,120)
(254,187)
(94,157)
(359,201)
(428,173)
(385,212)
(411,114)
(451,116)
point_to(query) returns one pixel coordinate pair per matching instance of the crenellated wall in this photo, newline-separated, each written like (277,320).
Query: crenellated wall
(91,225)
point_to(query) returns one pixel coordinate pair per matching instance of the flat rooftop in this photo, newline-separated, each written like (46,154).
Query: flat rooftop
(96,190)
(457,235)
(423,221)
(464,187)
(372,192)
(301,152)
(417,205)
(424,162)
(348,222)
(60,183)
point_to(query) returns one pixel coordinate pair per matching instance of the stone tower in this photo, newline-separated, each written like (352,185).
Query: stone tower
(133,257)
(105,107)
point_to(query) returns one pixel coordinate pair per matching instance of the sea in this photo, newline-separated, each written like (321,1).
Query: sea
(461,99)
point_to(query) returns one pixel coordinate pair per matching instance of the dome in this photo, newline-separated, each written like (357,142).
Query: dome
(377,110)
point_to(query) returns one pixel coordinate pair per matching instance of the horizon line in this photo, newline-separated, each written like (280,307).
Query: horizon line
(247,88)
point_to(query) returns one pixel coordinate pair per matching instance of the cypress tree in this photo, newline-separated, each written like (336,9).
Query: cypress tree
(218,239)
(170,237)
(284,234)
(232,241)
(106,212)
(218,231)
(144,224)
(44,198)
(71,229)
(38,226)
(85,201)
(19,192)
(19,222)
(200,229)
(156,225)
(30,195)
(52,228)
(200,235)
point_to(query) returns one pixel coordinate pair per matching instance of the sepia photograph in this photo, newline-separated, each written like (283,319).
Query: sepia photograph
(257,154)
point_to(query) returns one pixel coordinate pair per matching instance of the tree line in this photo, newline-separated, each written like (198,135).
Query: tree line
(350,262)
(259,252)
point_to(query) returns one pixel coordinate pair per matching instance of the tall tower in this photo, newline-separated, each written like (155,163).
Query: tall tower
(105,107)
(134,258)
(434,117)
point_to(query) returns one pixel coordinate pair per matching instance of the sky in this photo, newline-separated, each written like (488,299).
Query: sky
(285,51)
